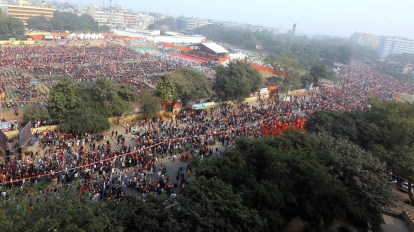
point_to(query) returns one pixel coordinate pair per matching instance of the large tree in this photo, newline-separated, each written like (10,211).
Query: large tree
(237,81)
(39,23)
(11,28)
(81,108)
(35,113)
(150,103)
(191,84)
(387,130)
(72,22)
(62,98)
(166,89)
(306,176)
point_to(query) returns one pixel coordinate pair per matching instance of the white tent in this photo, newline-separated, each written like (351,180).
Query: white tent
(88,36)
(81,36)
(71,36)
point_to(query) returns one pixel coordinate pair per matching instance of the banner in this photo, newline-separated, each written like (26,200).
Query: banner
(25,134)
(5,126)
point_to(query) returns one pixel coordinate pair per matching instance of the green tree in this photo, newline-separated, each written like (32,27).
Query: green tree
(363,175)
(11,28)
(39,23)
(237,81)
(83,119)
(61,213)
(191,84)
(88,23)
(387,130)
(151,104)
(314,177)
(319,71)
(166,89)
(211,205)
(35,113)
(62,98)
(168,23)
(104,28)
(71,22)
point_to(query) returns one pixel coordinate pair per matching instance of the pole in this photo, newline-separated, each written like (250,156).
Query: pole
(292,35)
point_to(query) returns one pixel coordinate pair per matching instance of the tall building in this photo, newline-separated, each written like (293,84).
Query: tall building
(114,17)
(23,10)
(366,40)
(385,45)
(188,25)
(394,45)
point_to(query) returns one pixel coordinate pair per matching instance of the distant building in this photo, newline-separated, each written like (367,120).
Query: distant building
(188,25)
(118,18)
(394,45)
(385,45)
(366,40)
(155,36)
(23,10)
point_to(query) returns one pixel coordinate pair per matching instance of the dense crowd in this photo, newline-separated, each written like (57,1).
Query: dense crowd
(19,66)
(109,163)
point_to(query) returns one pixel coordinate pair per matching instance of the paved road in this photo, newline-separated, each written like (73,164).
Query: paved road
(394,225)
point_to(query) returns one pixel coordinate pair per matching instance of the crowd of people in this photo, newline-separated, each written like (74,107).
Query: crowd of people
(20,66)
(110,163)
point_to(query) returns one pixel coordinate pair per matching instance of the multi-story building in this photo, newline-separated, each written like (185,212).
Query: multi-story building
(188,25)
(118,18)
(394,45)
(385,45)
(144,20)
(23,10)
(366,40)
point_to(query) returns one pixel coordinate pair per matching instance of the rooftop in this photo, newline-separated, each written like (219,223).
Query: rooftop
(215,47)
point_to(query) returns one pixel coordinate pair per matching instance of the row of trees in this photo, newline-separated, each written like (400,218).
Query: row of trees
(322,180)
(387,130)
(207,205)
(82,108)
(11,27)
(65,21)
(260,185)
(308,51)
(234,82)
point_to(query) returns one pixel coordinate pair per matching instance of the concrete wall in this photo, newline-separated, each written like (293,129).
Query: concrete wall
(409,220)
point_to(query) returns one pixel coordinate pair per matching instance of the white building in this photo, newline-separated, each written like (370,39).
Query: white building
(385,45)
(395,45)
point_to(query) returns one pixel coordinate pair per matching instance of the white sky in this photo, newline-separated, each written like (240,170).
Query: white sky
(331,17)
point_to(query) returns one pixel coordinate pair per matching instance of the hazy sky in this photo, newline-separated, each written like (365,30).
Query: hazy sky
(332,17)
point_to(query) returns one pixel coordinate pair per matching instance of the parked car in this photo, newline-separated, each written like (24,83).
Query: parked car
(404,187)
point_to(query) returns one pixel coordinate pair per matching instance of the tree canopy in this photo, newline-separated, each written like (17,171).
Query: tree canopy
(165,89)
(386,130)
(65,21)
(237,81)
(315,177)
(151,104)
(168,23)
(81,108)
(39,23)
(11,28)
(309,51)
(191,84)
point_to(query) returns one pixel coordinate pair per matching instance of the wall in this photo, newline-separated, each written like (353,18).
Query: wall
(408,220)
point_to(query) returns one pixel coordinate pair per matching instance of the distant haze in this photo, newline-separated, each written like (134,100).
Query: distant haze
(331,17)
